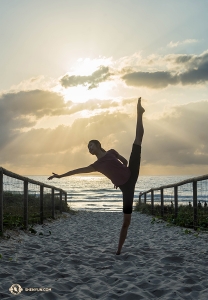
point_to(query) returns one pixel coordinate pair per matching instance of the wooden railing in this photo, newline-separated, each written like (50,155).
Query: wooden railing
(41,185)
(161,189)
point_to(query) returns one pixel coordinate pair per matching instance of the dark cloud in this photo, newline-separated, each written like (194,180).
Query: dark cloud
(195,76)
(92,81)
(157,80)
(194,71)
(190,60)
(151,80)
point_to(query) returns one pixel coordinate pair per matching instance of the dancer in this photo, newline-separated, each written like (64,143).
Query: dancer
(114,166)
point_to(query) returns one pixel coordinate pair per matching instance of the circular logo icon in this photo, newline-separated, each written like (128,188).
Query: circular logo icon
(15,289)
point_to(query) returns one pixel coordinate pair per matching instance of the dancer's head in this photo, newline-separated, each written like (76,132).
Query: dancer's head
(94,147)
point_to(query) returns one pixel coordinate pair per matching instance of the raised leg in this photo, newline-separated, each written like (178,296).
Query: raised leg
(138,141)
(123,233)
(139,126)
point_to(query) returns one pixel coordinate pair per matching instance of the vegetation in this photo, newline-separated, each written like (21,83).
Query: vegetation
(13,209)
(185,217)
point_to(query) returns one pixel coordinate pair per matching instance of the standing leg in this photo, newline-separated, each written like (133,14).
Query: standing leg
(123,233)
(139,126)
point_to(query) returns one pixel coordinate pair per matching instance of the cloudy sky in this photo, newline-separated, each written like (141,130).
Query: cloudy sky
(71,71)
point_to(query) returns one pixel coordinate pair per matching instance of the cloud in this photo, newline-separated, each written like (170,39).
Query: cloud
(92,81)
(185,42)
(62,148)
(194,71)
(176,139)
(38,150)
(179,138)
(190,61)
(150,79)
(91,105)
(22,110)
(34,83)
(35,103)
(195,76)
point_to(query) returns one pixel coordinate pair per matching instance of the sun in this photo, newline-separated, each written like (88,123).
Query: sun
(80,93)
(86,66)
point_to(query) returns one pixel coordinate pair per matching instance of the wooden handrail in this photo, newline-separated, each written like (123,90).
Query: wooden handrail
(193,180)
(27,180)
(23,178)
(190,180)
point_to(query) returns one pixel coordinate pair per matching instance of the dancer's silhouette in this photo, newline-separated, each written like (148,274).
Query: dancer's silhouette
(114,166)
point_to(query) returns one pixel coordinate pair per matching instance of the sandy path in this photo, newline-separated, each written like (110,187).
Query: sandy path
(77,260)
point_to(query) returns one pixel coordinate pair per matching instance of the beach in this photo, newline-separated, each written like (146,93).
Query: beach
(74,258)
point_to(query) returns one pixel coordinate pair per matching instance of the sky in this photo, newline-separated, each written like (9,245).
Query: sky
(72,71)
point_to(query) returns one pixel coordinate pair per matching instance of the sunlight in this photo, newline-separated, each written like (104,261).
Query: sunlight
(80,93)
(86,66)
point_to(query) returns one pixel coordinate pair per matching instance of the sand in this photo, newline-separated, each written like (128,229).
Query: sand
(77,260)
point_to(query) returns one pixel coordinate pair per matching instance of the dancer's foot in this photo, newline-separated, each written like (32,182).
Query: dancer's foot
(118,252)
(140,109)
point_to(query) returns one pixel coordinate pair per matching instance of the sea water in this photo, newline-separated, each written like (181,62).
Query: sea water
(97,193)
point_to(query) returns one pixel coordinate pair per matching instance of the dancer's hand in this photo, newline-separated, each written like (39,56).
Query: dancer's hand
(54,176)
(115,187)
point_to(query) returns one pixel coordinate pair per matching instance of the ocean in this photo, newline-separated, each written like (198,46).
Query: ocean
(97,193)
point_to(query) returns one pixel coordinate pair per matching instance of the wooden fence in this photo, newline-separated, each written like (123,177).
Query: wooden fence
(161,189)
(41,185)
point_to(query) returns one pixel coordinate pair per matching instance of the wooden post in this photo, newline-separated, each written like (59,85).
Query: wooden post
(60,201)
(66,199)
(53,203)
(41,204)
(152,201)
(176,200)
(145,198)
(162,202)
(1,200)
(25,204)
(195,204)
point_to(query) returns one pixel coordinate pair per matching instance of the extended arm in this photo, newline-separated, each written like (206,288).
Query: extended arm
(73,172)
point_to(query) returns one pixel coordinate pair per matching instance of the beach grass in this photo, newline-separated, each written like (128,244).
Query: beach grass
(185,216)
(13,209)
